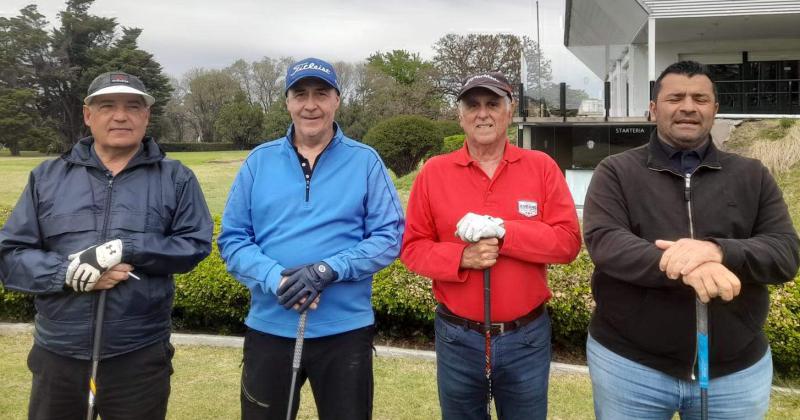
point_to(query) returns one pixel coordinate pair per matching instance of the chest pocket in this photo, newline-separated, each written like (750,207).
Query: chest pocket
(129,222)
(69,223)
(69,233)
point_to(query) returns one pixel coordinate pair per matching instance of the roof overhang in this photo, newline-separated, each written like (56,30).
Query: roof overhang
(598,31)
(590,26)
(723,28)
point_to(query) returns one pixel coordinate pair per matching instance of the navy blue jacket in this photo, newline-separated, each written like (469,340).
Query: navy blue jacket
(154,205)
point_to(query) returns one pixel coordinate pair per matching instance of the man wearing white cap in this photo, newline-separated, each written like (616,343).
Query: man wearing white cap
(109,221)
(309,219)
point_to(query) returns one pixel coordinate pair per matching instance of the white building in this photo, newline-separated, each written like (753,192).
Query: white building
(752,48)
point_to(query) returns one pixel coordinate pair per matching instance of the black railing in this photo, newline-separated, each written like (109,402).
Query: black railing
(777,96)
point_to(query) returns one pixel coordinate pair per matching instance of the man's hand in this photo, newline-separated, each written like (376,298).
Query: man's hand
(296,306)
(113,276)
(480,255)
(711,279)
(683,256)
(474,227)
(301,286)
(88,265)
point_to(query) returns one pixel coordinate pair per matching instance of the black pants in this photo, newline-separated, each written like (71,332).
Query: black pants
(131,386)
(339,368)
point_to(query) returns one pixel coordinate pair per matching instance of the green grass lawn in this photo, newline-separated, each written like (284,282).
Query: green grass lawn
(206,386)
(214,170)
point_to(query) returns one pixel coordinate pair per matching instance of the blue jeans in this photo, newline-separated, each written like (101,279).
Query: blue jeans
(624,389)
(520,369)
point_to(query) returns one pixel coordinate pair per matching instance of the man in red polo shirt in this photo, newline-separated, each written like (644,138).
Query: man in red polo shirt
(490,205)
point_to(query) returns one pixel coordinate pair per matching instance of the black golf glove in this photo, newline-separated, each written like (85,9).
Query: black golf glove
(304,282)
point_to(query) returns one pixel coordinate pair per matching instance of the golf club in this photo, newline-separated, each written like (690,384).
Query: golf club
(98,333)
(487,325)
(702,355)
(298,351)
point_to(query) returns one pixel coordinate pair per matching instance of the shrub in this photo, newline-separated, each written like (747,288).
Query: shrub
(786,123)
(783,327)
(448,128)
(200,147)
(572,304)
(208,298)
(453,143)
(403,141)
(403,301)
(14,306)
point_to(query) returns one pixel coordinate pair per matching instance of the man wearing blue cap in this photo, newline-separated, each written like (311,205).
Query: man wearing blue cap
(309,219)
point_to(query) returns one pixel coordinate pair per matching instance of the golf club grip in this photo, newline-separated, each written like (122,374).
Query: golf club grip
(701,310)
(298,343)
(702,343)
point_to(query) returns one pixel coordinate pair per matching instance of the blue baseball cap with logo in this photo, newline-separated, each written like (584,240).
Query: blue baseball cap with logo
(311,67)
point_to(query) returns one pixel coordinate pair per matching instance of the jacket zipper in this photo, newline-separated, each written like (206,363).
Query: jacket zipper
(309,175)
(104,237)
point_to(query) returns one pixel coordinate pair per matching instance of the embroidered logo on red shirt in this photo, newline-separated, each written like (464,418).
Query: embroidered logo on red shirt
(528,208)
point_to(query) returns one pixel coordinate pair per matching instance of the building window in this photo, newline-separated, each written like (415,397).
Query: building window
(758,87)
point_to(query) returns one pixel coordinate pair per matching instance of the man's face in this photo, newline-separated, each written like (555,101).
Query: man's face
(118,120)
(684,110)
(312,105)
(484,116)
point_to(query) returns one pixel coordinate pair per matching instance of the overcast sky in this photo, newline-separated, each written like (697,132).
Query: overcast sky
(184,34)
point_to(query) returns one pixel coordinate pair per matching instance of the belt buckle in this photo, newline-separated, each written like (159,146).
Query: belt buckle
(501,327)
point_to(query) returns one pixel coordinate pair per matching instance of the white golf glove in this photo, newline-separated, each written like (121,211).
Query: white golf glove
(474,227)
(88,265)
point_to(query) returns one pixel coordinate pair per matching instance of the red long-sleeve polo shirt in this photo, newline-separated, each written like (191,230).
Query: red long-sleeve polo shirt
(528,192)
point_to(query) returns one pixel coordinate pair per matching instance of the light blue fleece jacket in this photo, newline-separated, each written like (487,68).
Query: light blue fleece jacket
(352,220)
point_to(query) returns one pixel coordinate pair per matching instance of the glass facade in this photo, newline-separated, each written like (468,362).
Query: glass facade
(758,87)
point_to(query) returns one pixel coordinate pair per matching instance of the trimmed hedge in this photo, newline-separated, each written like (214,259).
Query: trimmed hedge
(403,141)
(202,147)
(209,299)
(453,143)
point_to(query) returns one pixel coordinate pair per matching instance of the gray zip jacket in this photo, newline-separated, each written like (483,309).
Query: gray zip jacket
(155,206)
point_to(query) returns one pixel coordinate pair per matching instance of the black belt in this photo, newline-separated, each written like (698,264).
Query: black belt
(496,327)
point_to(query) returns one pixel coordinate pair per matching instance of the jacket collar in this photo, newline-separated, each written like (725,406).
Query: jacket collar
(338,134)
(511,153)
(657,158)
(81,153)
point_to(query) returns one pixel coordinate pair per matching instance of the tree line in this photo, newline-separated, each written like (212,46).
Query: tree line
(44,74)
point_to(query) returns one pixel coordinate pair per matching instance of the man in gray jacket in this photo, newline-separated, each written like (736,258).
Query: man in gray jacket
(111,218)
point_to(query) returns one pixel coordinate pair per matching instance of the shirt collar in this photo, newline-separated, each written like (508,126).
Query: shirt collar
(684,161)
(511,153)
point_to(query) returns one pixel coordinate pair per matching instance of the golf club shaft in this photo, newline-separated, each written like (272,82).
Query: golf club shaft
(298,351)
(702,355)
(487,321)
(98,334)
